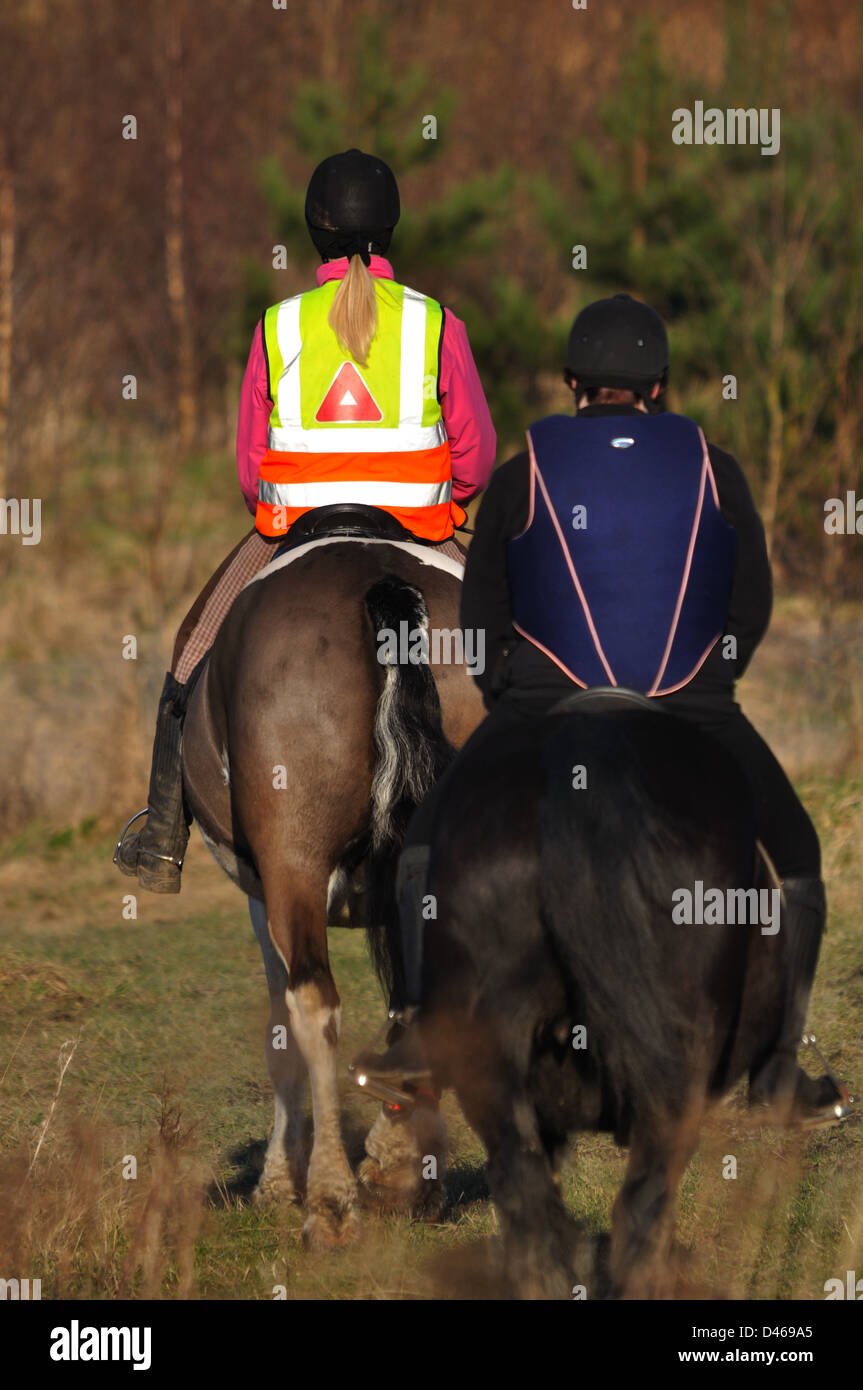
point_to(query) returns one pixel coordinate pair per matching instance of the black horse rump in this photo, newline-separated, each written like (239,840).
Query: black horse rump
(559,991)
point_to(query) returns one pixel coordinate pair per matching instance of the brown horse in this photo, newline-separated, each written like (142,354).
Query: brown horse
(304,753)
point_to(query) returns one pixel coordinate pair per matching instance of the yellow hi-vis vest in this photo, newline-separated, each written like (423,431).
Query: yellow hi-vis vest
(340,432)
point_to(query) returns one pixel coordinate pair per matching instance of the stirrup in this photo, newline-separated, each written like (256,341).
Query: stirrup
(405,1016)
(394,1097)
(151,854)
(837,1112)
(399,1087)
(123,832)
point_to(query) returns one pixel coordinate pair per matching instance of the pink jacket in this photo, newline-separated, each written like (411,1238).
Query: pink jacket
(471,433)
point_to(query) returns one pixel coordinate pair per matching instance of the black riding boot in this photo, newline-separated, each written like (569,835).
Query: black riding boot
(155,854)
(397,1075)
(780,1083)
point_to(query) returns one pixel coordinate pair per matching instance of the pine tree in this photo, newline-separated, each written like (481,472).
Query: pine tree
(738,251)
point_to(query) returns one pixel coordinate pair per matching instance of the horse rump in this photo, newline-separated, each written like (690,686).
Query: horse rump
(623,824)
(557,850)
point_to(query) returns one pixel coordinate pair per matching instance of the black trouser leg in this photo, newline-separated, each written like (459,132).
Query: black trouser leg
(410,896)
(787,833)
(782,823)
(780,1081)
(166,834)
(156,853)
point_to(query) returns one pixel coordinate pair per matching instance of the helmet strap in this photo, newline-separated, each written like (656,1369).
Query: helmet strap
(332,243)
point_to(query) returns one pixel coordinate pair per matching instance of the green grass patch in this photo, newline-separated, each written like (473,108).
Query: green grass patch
(167,1014)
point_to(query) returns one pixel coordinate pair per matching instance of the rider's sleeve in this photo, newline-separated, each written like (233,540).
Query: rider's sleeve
(253,420)
(472,439)
(485,597)
(752,590)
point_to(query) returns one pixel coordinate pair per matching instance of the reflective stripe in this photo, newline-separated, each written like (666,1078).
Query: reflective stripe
(400,461)
(339,439)
(374,494)
(283,326)
(290,343)
(413,356)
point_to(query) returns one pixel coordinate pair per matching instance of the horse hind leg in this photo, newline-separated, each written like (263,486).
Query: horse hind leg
(282,1177)
(536,1229)
(643,1217)
(535,1225)
(296,913)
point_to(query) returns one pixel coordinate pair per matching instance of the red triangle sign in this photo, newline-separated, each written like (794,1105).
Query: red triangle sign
(348,400)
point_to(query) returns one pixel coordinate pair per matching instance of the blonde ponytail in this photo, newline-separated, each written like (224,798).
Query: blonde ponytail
(353,316)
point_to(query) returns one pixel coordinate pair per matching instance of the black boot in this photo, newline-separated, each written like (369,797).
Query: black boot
(155,854)
(401,1073)
(780,1084)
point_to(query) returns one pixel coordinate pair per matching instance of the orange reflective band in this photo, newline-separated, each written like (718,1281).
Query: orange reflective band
(414,486)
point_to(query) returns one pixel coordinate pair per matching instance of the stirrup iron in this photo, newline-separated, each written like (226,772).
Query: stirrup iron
(119,846)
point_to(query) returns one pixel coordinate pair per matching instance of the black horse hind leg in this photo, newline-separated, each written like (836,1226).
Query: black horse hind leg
(535,1226)
(643,1216)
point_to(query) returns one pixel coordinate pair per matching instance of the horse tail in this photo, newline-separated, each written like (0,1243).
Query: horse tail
(411,751)
(609,863)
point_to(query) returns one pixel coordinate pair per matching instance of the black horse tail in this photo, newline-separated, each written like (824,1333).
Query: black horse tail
(411,751)
(609,863)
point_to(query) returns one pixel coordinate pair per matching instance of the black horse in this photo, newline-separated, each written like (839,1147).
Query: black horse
(560,993)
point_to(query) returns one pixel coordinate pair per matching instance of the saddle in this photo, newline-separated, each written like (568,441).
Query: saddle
(345,519)
(599,698)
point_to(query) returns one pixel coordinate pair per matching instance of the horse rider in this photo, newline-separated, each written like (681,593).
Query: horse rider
(671,597)
(360,391)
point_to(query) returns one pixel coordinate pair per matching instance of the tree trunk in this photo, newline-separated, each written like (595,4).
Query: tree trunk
(7,268)
(233,382)
(639,185)
(775,410)
(175,274)
(843,466)
(330,32)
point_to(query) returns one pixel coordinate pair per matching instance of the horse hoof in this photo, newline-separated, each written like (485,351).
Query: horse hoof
(431,1204)
(393,1188)
(275,1187)
(326,1230)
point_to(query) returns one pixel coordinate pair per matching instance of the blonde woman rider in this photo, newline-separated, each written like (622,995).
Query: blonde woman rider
(359,391)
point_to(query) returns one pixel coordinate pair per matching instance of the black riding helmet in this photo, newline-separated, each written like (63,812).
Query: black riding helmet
(617,342)
(352,205)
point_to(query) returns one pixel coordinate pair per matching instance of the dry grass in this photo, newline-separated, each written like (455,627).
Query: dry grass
(179,992)
(186,999)
(74,1220)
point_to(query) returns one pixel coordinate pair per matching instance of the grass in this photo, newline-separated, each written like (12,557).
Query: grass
(168,1011)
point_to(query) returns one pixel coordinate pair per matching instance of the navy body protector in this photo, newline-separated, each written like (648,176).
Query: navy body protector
(624,571)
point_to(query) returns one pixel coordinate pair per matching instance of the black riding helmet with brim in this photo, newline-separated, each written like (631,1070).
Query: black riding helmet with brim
(617,342)
(352,205)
